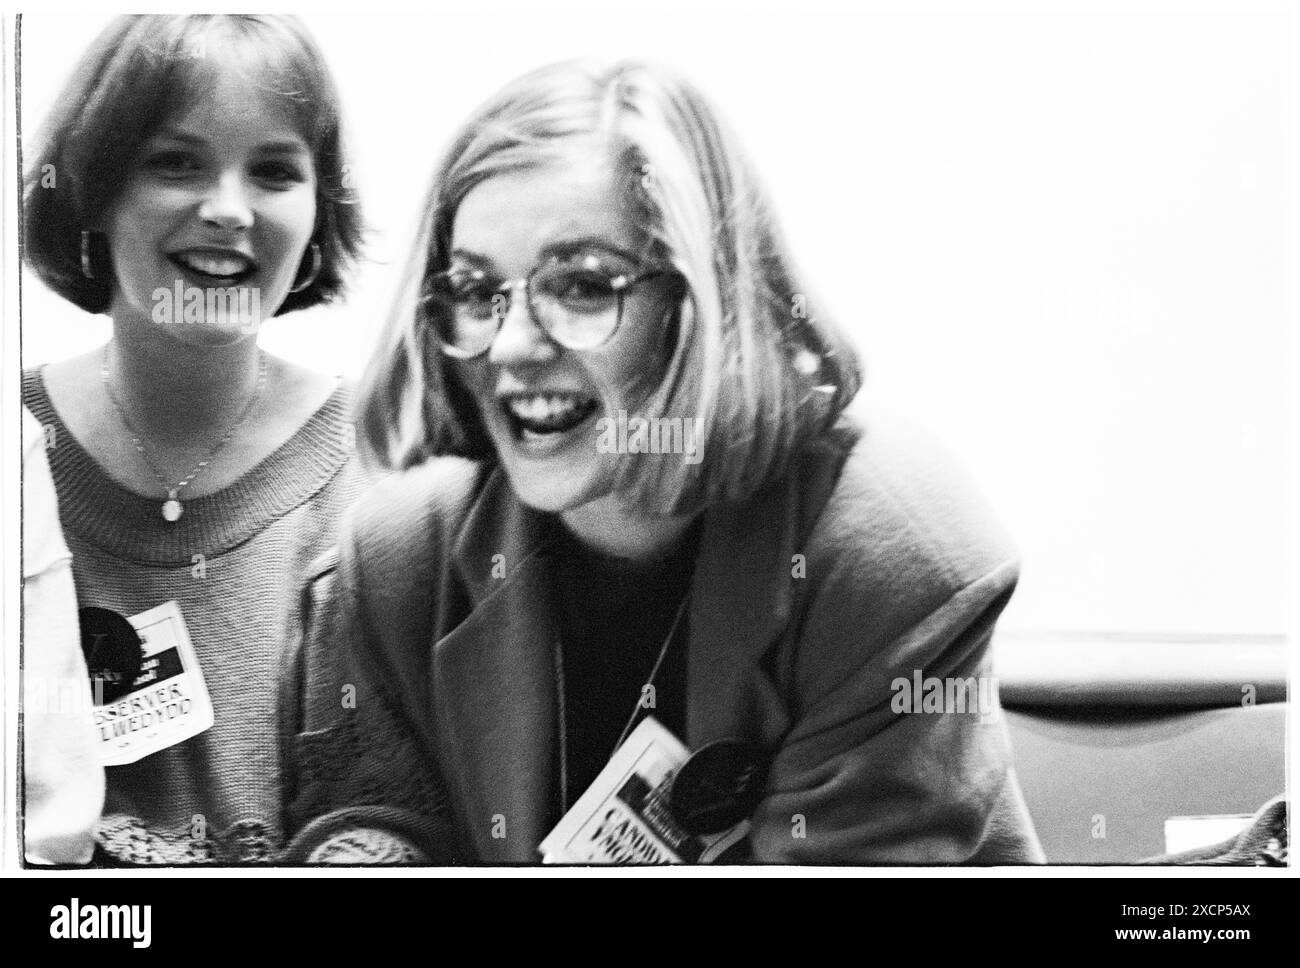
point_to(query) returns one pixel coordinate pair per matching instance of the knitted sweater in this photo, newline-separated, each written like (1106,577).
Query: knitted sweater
(233,562)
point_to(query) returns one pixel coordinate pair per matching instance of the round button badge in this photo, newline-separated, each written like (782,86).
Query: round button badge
(112,648)
(719,786)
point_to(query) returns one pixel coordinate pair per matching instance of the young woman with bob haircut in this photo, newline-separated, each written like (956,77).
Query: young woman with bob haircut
(189,184)
(551,565)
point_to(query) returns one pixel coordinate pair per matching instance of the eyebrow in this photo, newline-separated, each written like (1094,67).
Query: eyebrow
(567,247)
(280,147)
(171,134)
(561,249)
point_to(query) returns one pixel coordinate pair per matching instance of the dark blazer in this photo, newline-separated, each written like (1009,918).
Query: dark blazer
(448,649)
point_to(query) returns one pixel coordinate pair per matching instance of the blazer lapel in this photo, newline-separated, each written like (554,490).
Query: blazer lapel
(743,594)
(494,682)
(740,603)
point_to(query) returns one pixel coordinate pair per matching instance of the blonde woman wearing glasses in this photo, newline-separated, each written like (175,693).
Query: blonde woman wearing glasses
(626,475)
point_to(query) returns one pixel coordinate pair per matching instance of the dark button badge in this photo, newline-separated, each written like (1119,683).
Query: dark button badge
(719,786)
(113,652)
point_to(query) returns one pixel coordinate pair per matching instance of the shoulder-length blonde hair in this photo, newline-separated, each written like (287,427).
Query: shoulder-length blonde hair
(752,358)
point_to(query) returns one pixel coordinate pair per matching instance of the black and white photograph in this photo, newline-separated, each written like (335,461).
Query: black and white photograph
(808,436)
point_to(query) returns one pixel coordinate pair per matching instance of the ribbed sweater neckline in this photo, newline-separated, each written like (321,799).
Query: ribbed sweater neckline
(97,509)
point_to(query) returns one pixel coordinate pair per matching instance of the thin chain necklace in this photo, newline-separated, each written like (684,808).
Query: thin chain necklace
(172,508)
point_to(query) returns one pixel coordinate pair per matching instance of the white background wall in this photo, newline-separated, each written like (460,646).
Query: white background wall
(1058,237)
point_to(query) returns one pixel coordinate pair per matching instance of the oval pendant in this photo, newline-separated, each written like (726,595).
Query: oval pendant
(171,509)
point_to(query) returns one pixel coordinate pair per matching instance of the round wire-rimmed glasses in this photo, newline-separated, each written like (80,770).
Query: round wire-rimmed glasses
(577,304)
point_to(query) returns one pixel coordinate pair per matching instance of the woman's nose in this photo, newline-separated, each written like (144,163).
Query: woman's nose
(226,203)
(519,338)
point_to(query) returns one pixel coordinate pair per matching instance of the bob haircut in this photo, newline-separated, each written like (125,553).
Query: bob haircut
(141,71)
(748,356)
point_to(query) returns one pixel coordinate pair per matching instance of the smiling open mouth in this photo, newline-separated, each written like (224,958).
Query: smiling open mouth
(547,414)
(226,269)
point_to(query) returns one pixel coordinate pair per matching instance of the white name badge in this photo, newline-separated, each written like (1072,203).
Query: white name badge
(168,701)
(624,818)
